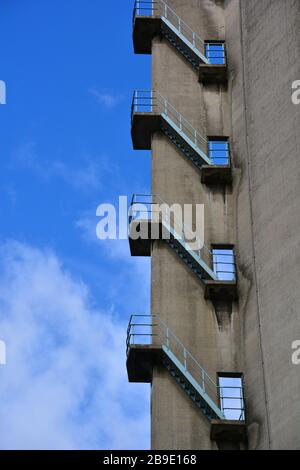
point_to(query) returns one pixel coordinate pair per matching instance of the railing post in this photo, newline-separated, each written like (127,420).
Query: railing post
(179,25)
(243,406)
(203,379)
(166,10)
(194,39)
(167,338)
(184,358)
(151,101)
(220,395)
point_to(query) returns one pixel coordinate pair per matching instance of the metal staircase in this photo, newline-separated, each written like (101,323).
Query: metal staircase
(185,369)
(188,247)
(175,30)
(152,112)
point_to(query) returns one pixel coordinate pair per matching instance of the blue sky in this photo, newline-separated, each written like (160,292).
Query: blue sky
(65,297)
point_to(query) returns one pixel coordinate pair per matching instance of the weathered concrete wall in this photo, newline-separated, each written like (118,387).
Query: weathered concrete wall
(260,214)
(263,43)
(177,295)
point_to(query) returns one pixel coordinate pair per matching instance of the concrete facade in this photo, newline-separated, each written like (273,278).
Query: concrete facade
(258,214)
(263,41)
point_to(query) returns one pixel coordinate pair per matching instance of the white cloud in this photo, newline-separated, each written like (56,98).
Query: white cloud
(64,385)
(87,176)
(87,225)
(106,98)
(86,173)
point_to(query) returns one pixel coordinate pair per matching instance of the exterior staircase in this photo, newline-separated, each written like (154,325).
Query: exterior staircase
(152,112)
(150,211)
(165,21)
(151,332)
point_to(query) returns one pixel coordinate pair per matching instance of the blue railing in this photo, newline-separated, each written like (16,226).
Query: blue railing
(144,8)
(213,152)
(151,101)
(228,400)
(215,53)
(219,151)
(160,9)
(208,52)
(220,264)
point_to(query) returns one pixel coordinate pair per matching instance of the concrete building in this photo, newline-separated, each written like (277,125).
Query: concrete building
(222,81)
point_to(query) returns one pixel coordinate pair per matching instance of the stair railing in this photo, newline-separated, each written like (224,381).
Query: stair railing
(150,329)
(159,8)
(152,207)
(151,101)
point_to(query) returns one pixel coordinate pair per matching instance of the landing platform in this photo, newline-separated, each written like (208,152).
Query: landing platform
(145,28)
(140,362)
(210,73)
(143,125)
(221,290)
(216,174)
(228,431)
(149,231)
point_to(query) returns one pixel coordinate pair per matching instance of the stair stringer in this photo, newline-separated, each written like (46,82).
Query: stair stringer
(182,44)
(196,393)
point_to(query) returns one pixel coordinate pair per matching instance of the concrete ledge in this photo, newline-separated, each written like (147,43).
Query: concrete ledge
(149,231)
(140,362)
(228,431)
(209,74)
(221,290)
(142,127)
(144,30)
(216,174)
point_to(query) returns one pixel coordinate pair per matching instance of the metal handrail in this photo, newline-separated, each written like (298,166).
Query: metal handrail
(150,327)
(238,401)
(159,8)
(150,206)
(152,101)
(154,206)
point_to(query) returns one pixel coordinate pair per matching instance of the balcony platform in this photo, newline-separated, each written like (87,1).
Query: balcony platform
(142,127)
(221,290)
(228,431)
(142,246)
(212,74)
(145,28)
(140,362)
(216,174)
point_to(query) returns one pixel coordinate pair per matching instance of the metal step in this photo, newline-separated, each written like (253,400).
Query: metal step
(186,260)
(184,149)
(178,46)
(189,390)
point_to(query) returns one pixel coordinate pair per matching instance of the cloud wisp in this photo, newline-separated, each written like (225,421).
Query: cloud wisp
(85,174)
(106,98)
(64,385)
